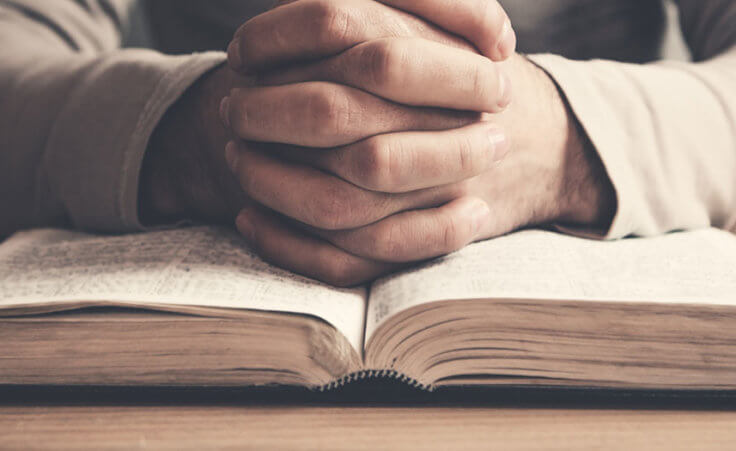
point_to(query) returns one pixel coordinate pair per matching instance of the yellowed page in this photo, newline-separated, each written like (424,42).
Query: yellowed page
(693,267)
(203,266)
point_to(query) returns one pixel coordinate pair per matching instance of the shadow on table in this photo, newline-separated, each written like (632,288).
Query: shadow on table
(372,393)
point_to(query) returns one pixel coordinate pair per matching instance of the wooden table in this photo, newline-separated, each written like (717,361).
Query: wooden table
(135,422)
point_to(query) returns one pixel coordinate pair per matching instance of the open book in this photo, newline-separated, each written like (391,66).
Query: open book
(197,307)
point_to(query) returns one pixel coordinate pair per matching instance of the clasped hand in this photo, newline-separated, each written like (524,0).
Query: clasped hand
(373,135)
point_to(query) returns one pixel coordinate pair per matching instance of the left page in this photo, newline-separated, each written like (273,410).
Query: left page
(47,270)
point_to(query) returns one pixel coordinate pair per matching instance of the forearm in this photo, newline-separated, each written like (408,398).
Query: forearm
(77,114)
(34,86)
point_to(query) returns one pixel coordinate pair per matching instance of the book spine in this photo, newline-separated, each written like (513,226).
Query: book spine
(375,374)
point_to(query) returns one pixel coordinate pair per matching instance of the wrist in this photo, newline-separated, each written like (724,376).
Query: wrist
(587,197)
(184,176)
(571,183)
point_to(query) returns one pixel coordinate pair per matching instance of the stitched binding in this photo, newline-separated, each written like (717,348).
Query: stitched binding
(375,374)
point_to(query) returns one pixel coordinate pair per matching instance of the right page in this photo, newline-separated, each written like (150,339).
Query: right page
(697,267)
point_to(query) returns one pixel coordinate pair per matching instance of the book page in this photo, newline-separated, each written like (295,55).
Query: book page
(202,266)
(689,267)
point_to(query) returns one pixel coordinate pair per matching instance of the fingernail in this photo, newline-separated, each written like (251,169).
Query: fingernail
(504,90)
(233,54)
(499,143)
(225,111)
(245,226)
(480,215)
(507,40)
(232,155)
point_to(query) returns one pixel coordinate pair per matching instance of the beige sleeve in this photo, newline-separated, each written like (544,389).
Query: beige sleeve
(666,132)
(77,111)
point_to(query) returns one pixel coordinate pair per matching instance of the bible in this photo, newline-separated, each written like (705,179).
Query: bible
(196,307)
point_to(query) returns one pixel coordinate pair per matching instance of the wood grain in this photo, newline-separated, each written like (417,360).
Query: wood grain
(360,428)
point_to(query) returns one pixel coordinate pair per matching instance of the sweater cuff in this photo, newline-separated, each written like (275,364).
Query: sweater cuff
(95,151)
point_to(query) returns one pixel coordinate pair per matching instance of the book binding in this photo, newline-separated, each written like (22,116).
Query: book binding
(375,374)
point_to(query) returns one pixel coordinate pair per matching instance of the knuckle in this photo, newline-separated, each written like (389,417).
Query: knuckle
(489,20)
(374,166)
(238,114)
(328,109)
(337,270)
(384,62)
(332,210)
(454,234)
(460,189)
(466,155)
(247,38)
(484,78)
(331,22)
(388,243)
(248,176)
